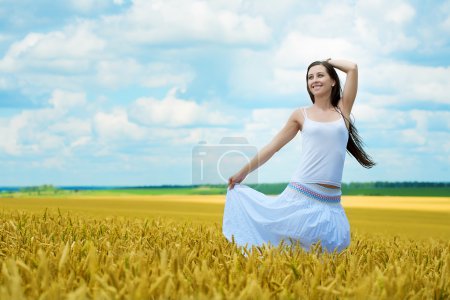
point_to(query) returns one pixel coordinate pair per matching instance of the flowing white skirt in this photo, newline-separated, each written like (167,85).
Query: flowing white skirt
(304,212)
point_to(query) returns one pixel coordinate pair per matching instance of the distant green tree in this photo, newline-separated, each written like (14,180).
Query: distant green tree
(44,189)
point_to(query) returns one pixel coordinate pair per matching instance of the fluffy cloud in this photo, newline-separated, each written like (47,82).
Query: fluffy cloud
(172,22)
(380,25)
(40,130)
(116,126)
(62,100)
(375,26)
(389,118)
(410,82)
(60,50)
(268,120)
(73,127)
(417,132)
(175,112)
(120,73)
(60,59)
(299,50)
(85,6)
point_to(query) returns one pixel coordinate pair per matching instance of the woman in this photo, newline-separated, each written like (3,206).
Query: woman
(309,209)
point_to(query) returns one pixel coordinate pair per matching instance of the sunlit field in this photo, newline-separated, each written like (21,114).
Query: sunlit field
(414,217)
(119,246)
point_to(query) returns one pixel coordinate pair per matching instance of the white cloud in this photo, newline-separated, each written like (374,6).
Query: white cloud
(72,127)
(50,163)
(287,81)
(263,124)
(380,25)
(446,149)
(446,24)
(251,73)
(63,100)
(393,160)
(11,61)
(60,59)
(8,132)
(334,19)
(119,73)
(389,118)
(431,120)
(4,37)
(76,41)
(275,14)
(443,11)
(180,21)
(415,132)
(268,120)
(80,142)
(116,126)
(83,5)
(26,133)
(379,118)
(410,82)
(3,83)
(175,112)
(401,13)
(413,136)
(39,130)
(299,50)
(341,28)
(86,6)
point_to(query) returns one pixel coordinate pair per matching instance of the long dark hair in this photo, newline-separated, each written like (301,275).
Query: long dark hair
(355,143)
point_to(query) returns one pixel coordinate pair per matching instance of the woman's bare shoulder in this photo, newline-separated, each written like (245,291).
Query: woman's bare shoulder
(297,115)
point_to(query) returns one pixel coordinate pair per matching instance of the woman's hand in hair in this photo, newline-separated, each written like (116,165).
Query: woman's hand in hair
(351,83)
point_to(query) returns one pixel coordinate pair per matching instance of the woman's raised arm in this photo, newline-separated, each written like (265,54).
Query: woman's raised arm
(351,83)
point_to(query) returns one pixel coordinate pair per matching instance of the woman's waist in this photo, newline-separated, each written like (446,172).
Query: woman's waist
(326,182)
(317,191)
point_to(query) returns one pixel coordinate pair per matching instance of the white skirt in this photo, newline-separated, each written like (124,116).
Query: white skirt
(304,212)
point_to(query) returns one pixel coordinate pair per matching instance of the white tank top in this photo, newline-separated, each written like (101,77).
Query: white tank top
(323,152)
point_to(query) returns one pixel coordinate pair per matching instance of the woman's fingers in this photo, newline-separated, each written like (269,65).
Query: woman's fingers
(230,183)
(237,178)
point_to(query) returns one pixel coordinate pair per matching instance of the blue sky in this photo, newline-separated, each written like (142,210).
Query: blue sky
(121,92)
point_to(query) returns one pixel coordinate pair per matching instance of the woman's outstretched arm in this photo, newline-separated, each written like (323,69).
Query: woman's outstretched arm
(351,83)
(282,138)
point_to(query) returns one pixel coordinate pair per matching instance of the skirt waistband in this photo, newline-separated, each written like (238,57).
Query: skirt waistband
(317,192)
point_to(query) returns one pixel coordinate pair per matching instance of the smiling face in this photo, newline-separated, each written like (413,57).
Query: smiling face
(319,81)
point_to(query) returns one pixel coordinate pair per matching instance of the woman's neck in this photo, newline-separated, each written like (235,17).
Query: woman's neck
(323,103)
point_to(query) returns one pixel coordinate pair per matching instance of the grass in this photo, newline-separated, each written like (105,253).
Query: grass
(54,255)
(399,191)
(278,188)
(121,245)
(270,189)
(412,217)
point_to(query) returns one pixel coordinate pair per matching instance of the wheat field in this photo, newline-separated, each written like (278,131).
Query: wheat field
(55,255)
(409,217)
